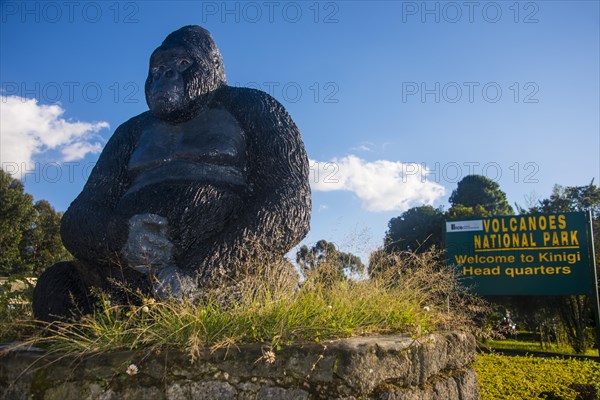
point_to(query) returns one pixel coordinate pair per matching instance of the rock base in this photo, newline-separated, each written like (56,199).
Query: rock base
(436,366)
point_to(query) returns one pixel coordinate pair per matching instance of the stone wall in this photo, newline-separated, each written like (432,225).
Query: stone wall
(386,367)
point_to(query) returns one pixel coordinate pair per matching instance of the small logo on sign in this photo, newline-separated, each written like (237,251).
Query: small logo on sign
(464,226)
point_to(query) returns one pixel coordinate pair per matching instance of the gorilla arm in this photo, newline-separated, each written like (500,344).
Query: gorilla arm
(277,215)
(91,229)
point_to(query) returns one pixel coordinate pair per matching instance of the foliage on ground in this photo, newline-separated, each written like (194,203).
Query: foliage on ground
(523,378)
(15,304)
(271,307)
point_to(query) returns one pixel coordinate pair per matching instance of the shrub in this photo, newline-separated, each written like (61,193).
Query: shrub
(16,293)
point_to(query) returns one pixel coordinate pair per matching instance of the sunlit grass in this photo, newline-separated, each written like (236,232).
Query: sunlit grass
(530,378)
(522,345)
(417,296)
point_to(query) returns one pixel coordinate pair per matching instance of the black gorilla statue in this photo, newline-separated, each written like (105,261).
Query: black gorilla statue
(183,194)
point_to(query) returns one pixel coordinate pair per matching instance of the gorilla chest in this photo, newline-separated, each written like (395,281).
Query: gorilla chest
(209,147)
(214,136)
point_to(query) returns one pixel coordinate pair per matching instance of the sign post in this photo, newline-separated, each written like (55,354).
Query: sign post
(532,255)
(594,277)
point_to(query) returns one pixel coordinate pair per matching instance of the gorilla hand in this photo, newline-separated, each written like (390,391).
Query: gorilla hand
(171,282)
(147,248)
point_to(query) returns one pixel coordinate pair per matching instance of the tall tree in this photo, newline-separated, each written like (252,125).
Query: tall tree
(43,242)
(29,234)
(415,230)
(16,217)
(325,256)
(477,190)
(571,198)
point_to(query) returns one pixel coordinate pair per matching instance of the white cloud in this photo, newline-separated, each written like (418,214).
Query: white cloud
(78,150)
(381,185)
(364,146)
(28,129)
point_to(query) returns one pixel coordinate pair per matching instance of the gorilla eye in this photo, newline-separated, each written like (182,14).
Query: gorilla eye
(183,64)
(156,69)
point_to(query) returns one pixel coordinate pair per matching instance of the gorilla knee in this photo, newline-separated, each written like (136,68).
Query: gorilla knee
(62,292)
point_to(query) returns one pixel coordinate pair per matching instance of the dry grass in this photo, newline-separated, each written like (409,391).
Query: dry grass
(413,294)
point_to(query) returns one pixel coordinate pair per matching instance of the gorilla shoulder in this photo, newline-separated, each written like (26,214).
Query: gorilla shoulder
(248,99)
(135,124)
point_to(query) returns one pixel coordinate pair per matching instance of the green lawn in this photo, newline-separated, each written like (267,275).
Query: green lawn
(527,377)
(528,345)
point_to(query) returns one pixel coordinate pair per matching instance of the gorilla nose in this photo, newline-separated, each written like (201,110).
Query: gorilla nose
(164,73)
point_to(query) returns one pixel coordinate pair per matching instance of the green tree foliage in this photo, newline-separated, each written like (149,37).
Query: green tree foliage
(459,211)
(571,198)
(324,256)
(416,230)
(29,233)
(44,244)
(477,190)
(16,217)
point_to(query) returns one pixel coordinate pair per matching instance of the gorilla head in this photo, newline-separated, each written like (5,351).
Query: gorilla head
(183,70)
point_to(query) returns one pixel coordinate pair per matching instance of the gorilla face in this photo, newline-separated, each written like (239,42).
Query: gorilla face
(166,87)
(183,70)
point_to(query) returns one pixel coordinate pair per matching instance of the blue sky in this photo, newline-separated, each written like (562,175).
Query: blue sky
(396,101)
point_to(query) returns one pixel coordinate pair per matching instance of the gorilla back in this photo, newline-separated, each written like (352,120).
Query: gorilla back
(210,177)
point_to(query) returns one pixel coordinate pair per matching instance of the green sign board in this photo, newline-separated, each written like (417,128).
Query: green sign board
(537,254)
